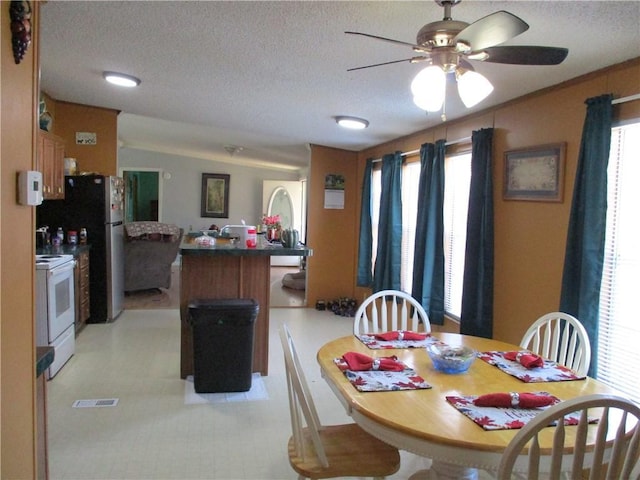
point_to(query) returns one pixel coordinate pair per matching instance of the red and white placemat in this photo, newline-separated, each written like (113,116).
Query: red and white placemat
(549,372)
(382,381)
(375,344)
(499,418)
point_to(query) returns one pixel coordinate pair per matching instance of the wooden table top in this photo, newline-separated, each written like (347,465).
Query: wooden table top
(424,416)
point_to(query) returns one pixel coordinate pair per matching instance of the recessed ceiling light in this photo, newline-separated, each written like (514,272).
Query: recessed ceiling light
(121,79)
(352,122)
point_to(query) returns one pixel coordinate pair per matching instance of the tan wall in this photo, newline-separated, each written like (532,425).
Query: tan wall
(17,352)
(70,118)
(530,237)
(331,232)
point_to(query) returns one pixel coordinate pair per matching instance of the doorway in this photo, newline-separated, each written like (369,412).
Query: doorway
(288,200)
(142,194)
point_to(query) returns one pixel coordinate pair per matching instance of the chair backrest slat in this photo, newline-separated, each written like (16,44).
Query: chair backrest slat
(300,400)
(560,337)
(631,468)
(613,443)
(390,310)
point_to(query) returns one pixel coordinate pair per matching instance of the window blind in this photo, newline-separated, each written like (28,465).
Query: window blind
(619,327)
(457,178)
(410,185)
(456,203)
(376,191)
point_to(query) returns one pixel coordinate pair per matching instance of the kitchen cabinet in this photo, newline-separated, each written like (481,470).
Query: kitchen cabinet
(50,161)
(83,309)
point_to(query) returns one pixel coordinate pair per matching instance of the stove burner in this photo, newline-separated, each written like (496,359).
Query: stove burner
(51,261)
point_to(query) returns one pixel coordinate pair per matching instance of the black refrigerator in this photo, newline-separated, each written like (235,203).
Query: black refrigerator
(94,202)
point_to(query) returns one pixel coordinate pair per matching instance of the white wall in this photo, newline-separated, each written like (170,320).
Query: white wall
(181,193)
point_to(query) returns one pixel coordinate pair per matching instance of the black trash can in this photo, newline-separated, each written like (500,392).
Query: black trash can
(222,332)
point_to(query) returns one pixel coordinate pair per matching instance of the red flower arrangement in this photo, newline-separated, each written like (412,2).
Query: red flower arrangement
(273,226)
(272,221)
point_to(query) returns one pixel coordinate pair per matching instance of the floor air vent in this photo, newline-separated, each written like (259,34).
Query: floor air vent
(100,402)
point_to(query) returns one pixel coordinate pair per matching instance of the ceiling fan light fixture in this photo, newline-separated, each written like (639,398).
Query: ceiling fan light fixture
(121,79)
(429,88)
(472,87)
(354,123)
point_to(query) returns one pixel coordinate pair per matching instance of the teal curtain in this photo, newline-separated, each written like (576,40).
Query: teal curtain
(584,253)
(365,245)
(386,273)
(428,260)
(477,291)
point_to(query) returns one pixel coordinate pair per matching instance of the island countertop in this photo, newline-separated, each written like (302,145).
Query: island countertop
(219,249)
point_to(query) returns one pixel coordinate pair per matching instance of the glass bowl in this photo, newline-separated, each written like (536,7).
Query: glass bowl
(451,359)
(205,241)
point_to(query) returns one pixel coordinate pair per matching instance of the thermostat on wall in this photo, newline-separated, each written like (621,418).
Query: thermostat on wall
(30,187)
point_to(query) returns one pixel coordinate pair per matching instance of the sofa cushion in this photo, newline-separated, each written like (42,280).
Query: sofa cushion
(155,231)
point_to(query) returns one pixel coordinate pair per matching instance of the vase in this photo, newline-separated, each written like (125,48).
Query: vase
(46,121)
(272,234)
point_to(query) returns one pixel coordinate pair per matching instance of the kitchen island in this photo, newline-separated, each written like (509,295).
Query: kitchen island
(228,271)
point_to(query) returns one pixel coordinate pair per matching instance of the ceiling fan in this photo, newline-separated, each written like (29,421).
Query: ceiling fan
(446,46)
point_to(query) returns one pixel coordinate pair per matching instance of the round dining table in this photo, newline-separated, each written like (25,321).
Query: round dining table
(422,421)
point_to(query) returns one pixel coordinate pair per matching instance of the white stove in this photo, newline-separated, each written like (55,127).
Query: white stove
(55,307)
(49,261)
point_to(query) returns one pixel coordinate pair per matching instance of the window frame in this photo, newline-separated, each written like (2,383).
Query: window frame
(409,214)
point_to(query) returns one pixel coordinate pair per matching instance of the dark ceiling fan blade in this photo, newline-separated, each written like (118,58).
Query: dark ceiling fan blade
(466,65)
(410,60)
(384,39)
(492,30)
(526,55)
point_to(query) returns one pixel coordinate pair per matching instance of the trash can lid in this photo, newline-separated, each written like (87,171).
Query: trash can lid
(223,304)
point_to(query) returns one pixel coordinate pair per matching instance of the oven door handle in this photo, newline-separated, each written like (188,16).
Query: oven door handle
(62,268)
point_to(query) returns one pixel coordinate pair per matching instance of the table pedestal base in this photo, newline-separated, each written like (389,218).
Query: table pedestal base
(445,471)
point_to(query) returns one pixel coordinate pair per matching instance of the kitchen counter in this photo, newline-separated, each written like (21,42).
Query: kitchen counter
(228,271)
(44,358)
(74,250)
(234,251)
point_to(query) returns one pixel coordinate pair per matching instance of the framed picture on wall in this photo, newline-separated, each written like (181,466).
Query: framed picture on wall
(215,195)
(535,173)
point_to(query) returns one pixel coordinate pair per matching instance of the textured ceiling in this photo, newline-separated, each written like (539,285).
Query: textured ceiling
(270,76)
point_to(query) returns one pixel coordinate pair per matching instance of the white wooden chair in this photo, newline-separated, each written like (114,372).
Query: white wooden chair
(390,310)
(317,451)
(560,337)
(608,449)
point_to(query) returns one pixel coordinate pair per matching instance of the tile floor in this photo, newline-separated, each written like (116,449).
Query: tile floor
(282,296)
(151,433)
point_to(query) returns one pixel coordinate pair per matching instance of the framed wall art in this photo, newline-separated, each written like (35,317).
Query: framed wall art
(535,173)
(215,195)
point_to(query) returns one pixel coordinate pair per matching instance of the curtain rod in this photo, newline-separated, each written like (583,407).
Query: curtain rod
(413,152)
(626,99)
(466,139)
